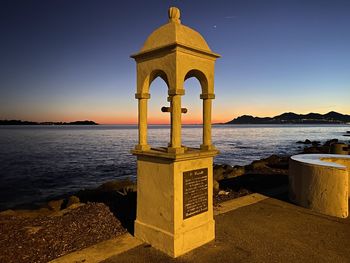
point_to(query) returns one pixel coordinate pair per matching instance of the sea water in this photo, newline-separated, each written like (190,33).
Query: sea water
(38,163)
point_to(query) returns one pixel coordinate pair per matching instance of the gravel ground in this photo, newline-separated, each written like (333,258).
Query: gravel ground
(44,238)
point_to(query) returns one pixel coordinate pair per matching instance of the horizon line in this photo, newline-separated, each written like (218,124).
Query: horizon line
(155,122)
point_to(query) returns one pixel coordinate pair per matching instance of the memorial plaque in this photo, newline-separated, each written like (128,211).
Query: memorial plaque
(195,192)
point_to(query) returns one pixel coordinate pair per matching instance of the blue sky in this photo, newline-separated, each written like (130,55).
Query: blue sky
(69,60)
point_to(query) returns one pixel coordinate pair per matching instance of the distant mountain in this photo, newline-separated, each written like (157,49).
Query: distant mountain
(19,122)
(293,118)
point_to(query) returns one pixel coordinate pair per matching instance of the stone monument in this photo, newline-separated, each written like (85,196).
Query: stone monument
(175,183)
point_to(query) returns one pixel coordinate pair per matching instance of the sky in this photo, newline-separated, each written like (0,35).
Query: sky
(63,60)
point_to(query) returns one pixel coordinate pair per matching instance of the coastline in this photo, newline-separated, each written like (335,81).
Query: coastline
(68,224)
(274,164)
(46,162)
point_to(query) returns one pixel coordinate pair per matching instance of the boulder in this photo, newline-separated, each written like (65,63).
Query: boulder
(73,200)
(218,171)
(237,170)
(216,186)
(225,171)
(312,149)
(329,142)
(55,205)
(257,165)
(279,162)
(307,141)
(124,185)
(273,159)
(315,143)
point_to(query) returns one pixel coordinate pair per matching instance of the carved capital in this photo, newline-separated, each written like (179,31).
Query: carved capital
(207,96)
(172,92)
(142,96)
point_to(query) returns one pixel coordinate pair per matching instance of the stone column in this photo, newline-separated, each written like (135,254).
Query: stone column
(207,103)
(142,121)
(175,115)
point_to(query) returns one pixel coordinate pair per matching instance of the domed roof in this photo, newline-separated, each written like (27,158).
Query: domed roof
(175,33)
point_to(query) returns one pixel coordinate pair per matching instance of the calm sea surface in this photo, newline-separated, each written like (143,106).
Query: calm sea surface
(41,162)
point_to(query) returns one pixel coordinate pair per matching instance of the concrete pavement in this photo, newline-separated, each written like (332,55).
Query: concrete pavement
(267,231)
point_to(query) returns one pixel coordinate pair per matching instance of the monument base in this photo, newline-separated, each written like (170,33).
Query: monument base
(175,199)
(179,244)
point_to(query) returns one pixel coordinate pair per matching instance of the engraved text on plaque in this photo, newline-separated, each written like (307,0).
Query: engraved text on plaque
(195,192)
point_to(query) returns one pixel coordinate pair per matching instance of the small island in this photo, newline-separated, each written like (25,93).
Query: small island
(20,122)
(293,118)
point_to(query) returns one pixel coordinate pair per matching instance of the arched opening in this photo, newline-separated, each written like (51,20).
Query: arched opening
(158,73)
(158,122)
(192,121)
(201,78)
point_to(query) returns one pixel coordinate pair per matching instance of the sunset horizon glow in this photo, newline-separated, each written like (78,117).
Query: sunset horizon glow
(105,120)
(69,61)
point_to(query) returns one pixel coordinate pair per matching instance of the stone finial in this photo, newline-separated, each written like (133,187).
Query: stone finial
(174,14)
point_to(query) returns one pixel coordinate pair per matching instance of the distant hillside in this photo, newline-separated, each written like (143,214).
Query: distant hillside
(19,122)
(293,118)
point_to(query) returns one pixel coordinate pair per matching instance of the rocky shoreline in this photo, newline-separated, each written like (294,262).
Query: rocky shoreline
(94,215)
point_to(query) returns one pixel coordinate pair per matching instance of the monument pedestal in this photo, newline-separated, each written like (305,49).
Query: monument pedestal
(175,199)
